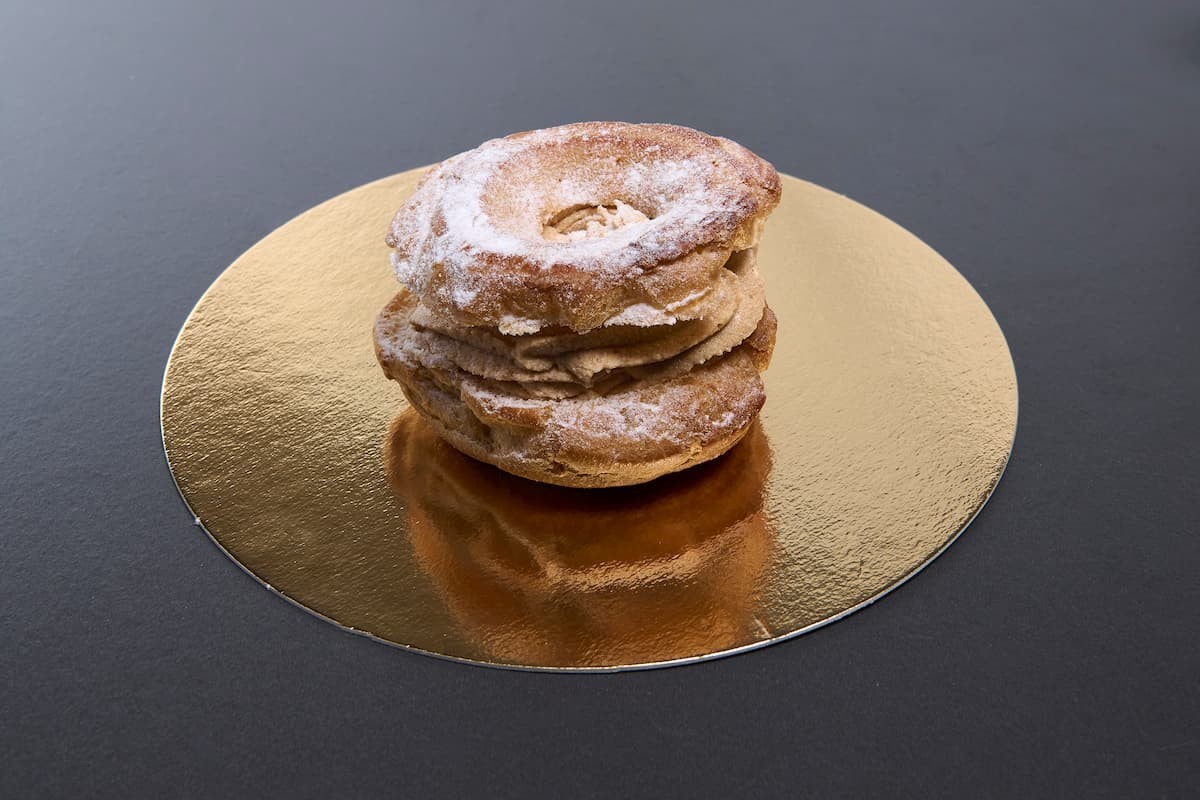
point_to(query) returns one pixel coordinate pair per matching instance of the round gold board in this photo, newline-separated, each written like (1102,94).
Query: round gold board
(891,410)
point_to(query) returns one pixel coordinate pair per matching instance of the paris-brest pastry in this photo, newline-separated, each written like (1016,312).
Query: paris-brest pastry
(581,304)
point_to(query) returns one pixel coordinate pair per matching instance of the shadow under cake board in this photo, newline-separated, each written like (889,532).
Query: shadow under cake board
(890,416)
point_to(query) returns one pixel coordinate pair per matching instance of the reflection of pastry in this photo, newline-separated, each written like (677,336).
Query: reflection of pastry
(582,304)
(542,575)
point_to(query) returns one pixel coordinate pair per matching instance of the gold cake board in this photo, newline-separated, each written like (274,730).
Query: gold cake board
(890,416)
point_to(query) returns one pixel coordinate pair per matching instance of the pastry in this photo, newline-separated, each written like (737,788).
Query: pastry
(581,305)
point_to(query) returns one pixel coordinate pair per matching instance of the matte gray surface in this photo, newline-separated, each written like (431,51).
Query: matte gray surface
(1048,150)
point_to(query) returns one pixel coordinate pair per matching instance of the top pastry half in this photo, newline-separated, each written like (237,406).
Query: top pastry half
(580,226)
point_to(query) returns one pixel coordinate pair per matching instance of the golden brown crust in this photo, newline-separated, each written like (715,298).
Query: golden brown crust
(630,435)
(470,240)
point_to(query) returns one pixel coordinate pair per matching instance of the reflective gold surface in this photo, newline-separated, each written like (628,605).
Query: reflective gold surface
(891,409)
(538,574)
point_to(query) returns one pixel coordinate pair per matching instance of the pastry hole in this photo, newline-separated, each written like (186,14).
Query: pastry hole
(585,221)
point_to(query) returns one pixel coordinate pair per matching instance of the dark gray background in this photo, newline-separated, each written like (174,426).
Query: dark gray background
(1050,150)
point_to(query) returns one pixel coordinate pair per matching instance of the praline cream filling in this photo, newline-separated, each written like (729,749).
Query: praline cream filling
(560,363)
(642,315)
(591,221)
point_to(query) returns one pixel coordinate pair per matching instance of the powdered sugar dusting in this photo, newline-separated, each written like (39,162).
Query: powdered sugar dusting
(470,230)
(517,326)
(601,415)
(668,417)
(491,205)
